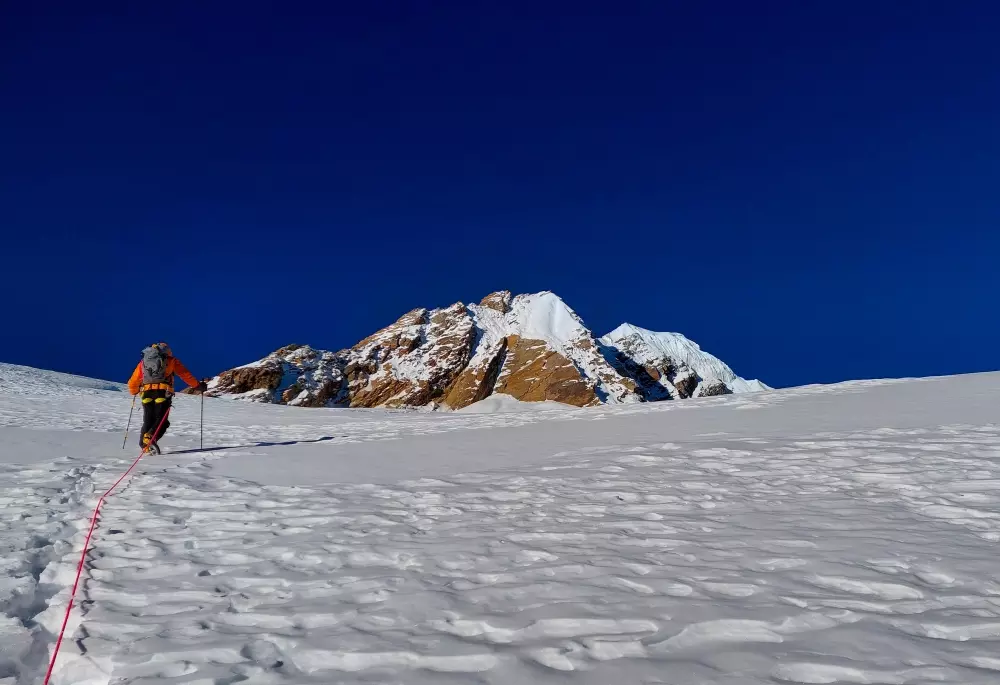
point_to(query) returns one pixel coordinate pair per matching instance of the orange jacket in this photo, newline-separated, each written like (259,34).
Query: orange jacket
(173,366)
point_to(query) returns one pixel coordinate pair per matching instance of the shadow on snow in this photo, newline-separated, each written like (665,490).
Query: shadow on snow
(325,438)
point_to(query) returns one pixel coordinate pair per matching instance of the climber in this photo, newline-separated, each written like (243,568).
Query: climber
(154,378)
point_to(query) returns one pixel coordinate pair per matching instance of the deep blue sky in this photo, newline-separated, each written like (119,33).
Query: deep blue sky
(810,190)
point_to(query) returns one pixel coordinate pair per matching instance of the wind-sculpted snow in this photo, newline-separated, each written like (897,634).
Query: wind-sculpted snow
(838,534)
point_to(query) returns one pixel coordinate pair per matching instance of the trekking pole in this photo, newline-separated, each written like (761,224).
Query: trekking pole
(127,425)
(202,430)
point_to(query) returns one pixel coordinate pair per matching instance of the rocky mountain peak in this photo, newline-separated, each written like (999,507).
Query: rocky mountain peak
(498,301)
(532,347)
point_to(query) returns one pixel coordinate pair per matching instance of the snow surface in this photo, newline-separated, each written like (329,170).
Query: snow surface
(826,534)
(645,346)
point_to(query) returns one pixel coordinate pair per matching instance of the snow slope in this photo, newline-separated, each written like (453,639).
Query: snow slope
(505,403)
(25,380)
(826,534)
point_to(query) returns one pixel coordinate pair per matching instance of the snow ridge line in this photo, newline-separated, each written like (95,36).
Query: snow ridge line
(86,546)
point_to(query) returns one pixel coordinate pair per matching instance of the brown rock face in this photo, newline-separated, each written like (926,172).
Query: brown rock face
(685,384)
(532,373)
(414,361)
(392,393)
(499,301)
(476,383)
(264,376)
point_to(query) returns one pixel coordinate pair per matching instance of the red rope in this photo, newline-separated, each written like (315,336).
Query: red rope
(86,546)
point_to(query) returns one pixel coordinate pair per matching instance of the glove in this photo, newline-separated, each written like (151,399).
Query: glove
(202,387)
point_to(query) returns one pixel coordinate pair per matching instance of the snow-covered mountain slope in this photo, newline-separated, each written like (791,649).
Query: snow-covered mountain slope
(827,534)
(25,380)
(531,347)
(670,365)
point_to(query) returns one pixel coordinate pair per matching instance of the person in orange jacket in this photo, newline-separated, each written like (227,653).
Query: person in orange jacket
(154,378)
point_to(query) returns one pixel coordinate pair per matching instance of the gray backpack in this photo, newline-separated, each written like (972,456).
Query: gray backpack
(154,365)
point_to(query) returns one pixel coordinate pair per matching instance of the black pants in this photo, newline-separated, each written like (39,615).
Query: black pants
(155,404)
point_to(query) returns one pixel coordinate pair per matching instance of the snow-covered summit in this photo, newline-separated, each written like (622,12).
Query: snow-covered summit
(545,316)
(533,347)
(543,351)
(664,350)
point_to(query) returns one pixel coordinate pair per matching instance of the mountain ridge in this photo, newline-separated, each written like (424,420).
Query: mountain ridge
(533,347)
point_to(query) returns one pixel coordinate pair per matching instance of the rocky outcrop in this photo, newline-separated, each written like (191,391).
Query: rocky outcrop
(533,372)
(713,389)
(413,362)
(685,384)
(297,375)
(532,347)
(477,382)
(651,380)
(265,376)
(498,301)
